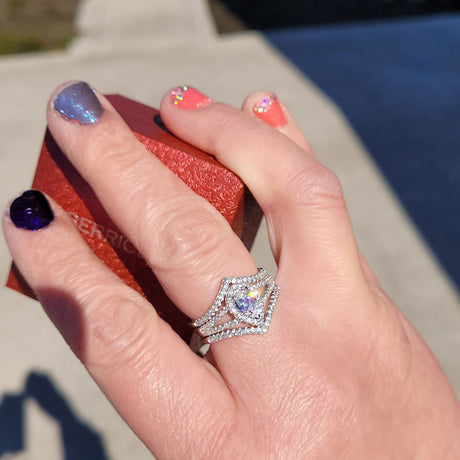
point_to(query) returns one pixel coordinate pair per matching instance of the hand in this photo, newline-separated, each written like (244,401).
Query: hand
(340,373)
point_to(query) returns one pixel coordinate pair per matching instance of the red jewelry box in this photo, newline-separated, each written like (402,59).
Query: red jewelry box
(202,173)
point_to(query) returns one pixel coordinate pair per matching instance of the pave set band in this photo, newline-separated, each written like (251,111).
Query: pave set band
(244,305)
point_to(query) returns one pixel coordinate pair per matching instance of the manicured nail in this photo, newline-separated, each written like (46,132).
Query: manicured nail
(31,211)
(269,110)
(187,97)
(79,103)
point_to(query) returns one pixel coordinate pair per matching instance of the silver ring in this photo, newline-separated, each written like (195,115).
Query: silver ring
(243,306)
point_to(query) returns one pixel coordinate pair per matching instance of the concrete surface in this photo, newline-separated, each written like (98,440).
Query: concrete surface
(140,49)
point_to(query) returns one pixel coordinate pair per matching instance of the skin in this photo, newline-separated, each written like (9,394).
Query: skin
(341,374)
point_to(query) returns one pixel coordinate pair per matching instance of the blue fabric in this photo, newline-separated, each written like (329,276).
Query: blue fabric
(398,83)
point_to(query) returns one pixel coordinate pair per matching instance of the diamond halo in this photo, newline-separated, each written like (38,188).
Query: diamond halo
(243,306)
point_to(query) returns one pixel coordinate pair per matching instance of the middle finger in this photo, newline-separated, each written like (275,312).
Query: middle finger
(186,242)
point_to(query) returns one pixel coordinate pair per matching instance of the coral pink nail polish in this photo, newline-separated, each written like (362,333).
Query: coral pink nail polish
(187,97)
(269,110)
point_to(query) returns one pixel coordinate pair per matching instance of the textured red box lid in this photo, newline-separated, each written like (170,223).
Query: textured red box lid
(202,173)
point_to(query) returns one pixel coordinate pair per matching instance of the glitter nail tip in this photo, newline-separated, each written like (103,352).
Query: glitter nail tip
(31,211)
(269,110)
(187,97)
(79,103)
(266,103)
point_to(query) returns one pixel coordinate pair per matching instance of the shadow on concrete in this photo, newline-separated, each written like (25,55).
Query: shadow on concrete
(79,440)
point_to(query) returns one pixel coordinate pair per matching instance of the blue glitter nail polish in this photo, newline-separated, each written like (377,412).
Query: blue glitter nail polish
(31,211)
(78,103)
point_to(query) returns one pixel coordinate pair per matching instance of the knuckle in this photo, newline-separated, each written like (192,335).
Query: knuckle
(118,334)
(314,186)
(189,233)
(109,150)
(113,327)
(60,262)
(229,123)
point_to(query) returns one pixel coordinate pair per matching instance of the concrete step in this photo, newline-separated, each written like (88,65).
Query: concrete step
(106,25)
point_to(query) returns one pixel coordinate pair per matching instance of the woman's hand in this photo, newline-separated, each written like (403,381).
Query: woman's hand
(340,373)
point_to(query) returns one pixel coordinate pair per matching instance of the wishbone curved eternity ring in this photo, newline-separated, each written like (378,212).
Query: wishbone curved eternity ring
(243,306)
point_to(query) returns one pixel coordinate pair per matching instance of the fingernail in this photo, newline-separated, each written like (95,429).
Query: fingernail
(269,110)
(187,97)
(79,103)
(31,211)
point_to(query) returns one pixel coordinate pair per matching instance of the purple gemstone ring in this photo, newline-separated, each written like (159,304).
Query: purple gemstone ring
(243,306)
